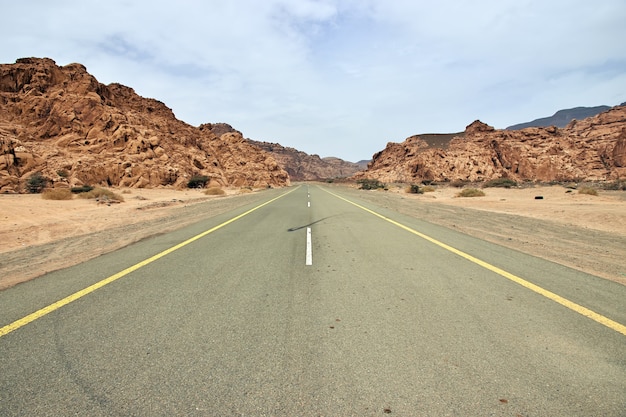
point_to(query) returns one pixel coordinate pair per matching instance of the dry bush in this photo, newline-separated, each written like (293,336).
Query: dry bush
(471,192)
(102,193)
(459,183)
(57,194)
(214,191)
(428,189)
(245,190)
(588,191)
(414,189)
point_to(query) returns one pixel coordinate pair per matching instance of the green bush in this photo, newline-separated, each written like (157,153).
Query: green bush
(500,183)
(81,189)
(369,184)
(618,185)
(471,192)
(36,183)
(198,181)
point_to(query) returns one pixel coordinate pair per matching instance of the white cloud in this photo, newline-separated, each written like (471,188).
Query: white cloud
(338,77)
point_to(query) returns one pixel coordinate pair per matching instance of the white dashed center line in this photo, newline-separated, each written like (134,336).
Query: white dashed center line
(309,250)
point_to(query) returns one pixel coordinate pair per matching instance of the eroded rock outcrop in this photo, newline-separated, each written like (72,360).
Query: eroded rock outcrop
(62,122)
(592,149)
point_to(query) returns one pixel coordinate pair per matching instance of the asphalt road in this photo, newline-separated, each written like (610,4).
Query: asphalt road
(380,314)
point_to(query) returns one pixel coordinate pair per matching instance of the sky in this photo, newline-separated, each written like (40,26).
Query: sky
(337,77)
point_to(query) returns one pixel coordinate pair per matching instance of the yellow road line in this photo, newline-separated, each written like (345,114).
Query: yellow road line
(73,297)
(611,324)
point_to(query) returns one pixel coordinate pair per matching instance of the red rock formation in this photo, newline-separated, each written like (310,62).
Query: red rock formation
(592,149)
(619,151)
(62,122)
(304,167)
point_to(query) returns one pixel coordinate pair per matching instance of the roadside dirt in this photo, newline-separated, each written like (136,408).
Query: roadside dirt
(39,236)
(583,232)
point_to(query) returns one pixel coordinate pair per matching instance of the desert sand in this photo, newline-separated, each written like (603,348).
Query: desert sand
(606,211)
(582,231)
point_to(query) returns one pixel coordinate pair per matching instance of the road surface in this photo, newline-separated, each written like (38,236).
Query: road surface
(313,304)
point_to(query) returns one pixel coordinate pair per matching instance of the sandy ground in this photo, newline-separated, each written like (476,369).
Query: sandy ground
(27,219)
(606,211)
(581,231)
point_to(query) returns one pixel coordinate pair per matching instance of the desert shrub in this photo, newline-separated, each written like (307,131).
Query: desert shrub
(81,189)
(57,194)
(36,183)
(414,189)
(214,191)
(101,193)
(368,184)
(428,189)
(63,173)
(471,192)
(500,183)
(588,191)
(198,181)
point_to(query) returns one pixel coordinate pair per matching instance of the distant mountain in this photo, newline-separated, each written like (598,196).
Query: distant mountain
(562,117)
(363,163)
(304,167)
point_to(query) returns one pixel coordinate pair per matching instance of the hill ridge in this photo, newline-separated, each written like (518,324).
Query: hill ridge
(562,117)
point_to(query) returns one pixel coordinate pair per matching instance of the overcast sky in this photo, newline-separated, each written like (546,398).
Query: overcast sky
(338,77)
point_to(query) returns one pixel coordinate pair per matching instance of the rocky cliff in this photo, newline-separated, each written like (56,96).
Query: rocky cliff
(304,167)
(593,149)
(62,122)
